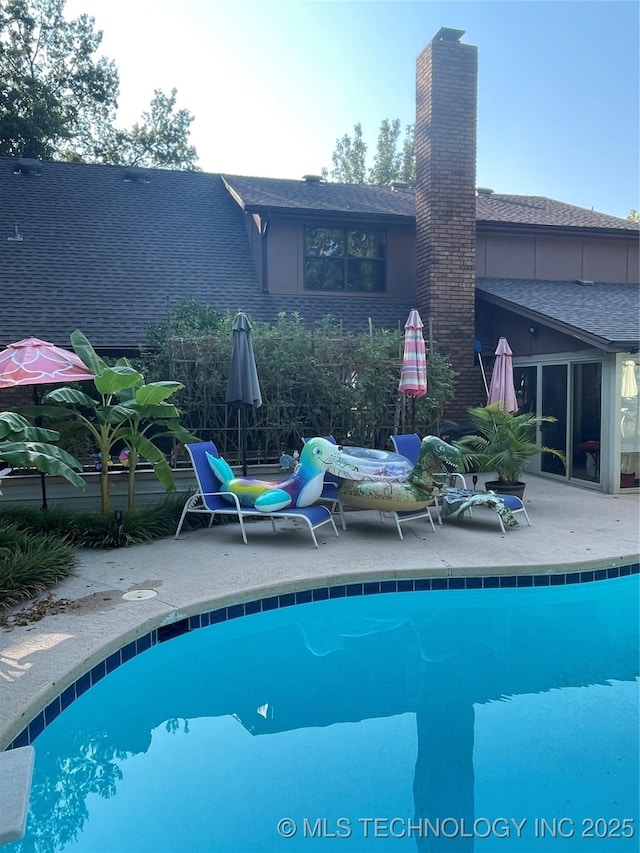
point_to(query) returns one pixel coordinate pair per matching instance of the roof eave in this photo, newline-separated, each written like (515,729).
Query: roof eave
(597,341)
(315,213)
(576,230)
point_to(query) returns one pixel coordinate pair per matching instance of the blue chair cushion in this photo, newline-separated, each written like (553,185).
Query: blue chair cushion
(511,502)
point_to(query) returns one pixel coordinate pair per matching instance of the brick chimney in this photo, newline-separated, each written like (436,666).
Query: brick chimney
(446,82)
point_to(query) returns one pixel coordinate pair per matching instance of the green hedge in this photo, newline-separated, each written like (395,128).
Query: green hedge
(314,381)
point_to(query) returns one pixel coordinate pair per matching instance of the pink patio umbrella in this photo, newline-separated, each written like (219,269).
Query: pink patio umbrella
(35,362)
(413,378)
(501,389)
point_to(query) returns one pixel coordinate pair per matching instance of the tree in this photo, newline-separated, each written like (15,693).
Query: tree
(349,158)
(390,162)
(634,215)
(58,101)
(161,140)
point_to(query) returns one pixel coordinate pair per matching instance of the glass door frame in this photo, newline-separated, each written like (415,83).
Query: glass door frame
(610,366)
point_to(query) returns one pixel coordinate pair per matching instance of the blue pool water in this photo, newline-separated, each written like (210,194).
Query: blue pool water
(471,720)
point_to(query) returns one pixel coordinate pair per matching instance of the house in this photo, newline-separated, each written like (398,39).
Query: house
(110,249)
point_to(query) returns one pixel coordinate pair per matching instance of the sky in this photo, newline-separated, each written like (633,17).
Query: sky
(273,84)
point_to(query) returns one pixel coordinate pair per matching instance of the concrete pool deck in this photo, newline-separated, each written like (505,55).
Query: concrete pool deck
(87,618)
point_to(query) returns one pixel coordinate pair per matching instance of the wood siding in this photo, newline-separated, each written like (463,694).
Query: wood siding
(559,258)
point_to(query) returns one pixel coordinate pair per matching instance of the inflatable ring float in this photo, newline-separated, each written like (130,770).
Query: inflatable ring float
(388,482)
(374,466)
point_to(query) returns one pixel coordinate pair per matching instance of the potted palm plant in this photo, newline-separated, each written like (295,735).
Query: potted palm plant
(503,443)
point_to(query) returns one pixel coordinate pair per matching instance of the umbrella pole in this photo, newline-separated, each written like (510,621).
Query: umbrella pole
(243,439)
(413,414)
(484,375)
(38,422)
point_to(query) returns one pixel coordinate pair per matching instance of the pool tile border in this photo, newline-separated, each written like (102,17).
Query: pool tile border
(289,599)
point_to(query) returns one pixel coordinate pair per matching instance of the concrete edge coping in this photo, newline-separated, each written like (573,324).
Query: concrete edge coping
(16,773)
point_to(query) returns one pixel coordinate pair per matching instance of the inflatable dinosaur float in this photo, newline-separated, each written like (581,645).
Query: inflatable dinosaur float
(373,479)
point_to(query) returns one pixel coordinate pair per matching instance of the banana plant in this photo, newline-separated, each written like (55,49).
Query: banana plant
(23,445)
(151,417)
(126,411)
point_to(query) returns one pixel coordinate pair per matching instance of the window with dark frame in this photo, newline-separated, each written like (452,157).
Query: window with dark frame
(345,259)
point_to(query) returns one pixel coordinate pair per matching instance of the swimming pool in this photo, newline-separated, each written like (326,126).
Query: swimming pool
(458,720)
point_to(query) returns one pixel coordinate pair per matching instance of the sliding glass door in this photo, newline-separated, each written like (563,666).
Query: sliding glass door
(572,394)
(586,421)
(554,402)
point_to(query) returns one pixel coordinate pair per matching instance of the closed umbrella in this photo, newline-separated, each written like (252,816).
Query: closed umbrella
(35,362)
(502,389)
(243,387)
(629,381)
(413,377)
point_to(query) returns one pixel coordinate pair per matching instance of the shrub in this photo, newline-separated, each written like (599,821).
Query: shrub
(118,530)
(314,381)
(96,529)
(30,563)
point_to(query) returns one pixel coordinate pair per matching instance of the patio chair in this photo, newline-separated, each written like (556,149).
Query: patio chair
(450,505)
(401,516)
(409,446)
(330,488)
(210,500)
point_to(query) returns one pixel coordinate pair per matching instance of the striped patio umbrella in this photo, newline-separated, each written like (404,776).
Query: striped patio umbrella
(502,389)
(413,378)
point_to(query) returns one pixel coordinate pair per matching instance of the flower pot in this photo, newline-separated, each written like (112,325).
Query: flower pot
(627,481)
(516,489)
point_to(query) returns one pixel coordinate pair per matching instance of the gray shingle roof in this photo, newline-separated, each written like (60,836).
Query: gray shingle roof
(288,195)
(110,257)
(537,210)
(605,315)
